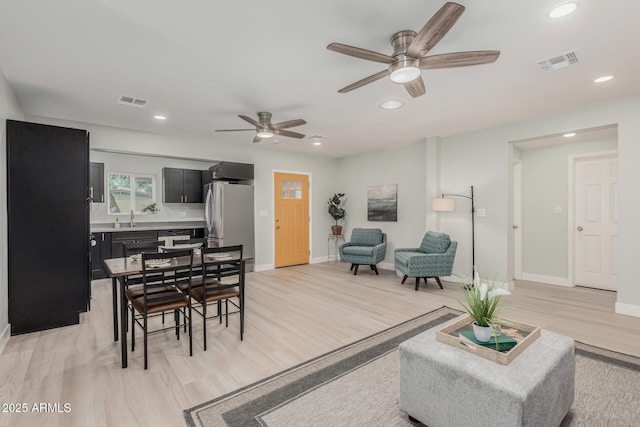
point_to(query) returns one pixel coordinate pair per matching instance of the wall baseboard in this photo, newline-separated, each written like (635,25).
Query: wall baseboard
(4,337)
(263,267)
(551,280)
(320,259)
(465,280)
(628,309)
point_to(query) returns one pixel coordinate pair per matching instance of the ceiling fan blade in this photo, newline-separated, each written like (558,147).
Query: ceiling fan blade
(250,120)
(459,59)
(357,52)
(256,139)
(364,81)
(234,130)
(434,30)
(415,87)
(289,124)
(288,133)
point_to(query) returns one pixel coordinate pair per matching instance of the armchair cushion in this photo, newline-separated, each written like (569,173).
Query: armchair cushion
(366,236)
(435,243)
(358,250)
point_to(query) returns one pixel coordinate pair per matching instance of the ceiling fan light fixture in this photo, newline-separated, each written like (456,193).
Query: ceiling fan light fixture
(264,134)
(563,10)
(405,74)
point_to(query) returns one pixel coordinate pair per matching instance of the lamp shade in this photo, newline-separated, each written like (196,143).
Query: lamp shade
(443,205)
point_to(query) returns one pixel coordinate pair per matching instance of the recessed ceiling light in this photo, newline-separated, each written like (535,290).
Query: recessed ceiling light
(159,117)
(569,135)
(603,79)
(563,10)
(391,104)
(317,143)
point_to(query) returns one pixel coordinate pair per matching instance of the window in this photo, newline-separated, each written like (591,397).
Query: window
(291,189)
(129,192)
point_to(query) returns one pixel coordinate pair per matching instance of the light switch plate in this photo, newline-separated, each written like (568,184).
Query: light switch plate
(264,213)
(557,209)
(481,212)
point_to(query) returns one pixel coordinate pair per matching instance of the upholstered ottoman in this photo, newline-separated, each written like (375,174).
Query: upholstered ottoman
(441,385)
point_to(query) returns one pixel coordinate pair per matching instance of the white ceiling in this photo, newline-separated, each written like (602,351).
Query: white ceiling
(203,62)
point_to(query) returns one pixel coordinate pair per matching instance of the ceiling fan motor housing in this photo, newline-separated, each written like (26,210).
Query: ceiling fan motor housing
(405,68)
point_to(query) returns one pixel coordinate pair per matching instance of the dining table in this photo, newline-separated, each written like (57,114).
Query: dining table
(119,270)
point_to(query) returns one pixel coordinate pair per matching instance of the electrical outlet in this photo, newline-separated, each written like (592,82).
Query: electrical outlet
(182,214)
(481,212)
(557,209)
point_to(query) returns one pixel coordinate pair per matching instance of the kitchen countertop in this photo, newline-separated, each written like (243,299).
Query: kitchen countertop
(145,226)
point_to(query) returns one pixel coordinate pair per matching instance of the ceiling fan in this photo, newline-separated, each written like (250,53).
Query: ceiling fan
(409,50)
(265,129)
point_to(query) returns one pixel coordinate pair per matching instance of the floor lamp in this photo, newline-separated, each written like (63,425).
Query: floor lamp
(445,204)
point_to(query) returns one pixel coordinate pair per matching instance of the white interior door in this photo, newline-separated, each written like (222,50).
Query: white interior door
(595,221)
(517,220)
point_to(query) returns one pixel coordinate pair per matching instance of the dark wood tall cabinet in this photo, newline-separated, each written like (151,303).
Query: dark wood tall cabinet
(48,225)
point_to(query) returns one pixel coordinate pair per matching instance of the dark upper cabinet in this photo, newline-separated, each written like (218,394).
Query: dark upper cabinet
(182,185)
(48,225)
(96,182)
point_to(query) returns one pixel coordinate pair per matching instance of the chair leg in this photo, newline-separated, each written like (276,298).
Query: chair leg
(226,313)
(241,303)
(190,333)
(144,322)
(355,270)
(133,333)
(220,312)
(404,279)
(417,283)
(439,282)
(204,324)
(374,268)
(176,318)
(352,265)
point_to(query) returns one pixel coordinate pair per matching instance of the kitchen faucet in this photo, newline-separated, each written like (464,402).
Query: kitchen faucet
(133,219)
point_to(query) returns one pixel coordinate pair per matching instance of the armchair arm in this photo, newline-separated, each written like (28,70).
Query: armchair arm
(407,250)
(379,251)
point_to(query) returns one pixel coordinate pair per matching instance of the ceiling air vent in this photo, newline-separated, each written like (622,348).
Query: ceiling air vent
(134,102)
(558,61)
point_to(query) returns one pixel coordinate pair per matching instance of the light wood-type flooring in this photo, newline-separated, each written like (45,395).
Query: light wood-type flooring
(292,315)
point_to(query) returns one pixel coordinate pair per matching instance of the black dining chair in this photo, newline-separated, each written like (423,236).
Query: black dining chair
(163,295)
(224,277)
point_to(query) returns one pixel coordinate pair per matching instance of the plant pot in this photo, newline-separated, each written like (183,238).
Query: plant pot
(336,229)
(482,333)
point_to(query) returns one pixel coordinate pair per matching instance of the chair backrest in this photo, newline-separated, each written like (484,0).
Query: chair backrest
(140,247)
(367,236)
(435,243)
(160,269)
(224,264)
(201,240)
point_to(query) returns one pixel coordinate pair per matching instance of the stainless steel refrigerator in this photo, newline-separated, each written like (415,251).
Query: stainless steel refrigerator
(229,214)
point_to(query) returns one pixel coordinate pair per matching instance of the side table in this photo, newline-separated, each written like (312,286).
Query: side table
(336,240)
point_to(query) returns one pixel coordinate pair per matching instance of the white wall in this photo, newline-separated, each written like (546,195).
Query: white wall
(323,174)
(405,167)
(483,158)
(9,109)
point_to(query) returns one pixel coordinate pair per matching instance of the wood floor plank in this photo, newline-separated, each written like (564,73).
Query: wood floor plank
(293,314)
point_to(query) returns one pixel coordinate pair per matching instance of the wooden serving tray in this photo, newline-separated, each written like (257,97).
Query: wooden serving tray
(523,333)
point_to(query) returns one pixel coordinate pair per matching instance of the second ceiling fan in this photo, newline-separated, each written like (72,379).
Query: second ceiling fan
(409,53)
(265,129)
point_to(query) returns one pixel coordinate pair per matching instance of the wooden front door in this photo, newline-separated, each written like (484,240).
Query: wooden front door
(291,219)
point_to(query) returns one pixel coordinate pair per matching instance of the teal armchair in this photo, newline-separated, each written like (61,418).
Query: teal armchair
(367,246)
(434,258)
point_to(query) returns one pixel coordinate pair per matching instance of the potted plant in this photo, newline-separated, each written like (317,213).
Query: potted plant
(336,212)
(152,207)
(482,305)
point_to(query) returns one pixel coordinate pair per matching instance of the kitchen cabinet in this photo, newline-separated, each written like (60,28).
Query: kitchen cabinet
(99,252)
(182,185)
(47,225)
(96,182)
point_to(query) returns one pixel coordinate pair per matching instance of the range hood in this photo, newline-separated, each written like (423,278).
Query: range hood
(231,171)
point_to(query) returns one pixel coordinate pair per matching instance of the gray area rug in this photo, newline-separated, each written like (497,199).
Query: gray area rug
(357,385)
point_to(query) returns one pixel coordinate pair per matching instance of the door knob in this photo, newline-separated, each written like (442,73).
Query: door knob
(277,227)
(515,227)
(580,228)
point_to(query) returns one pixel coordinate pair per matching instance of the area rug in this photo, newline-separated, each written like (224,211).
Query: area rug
(357,385)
